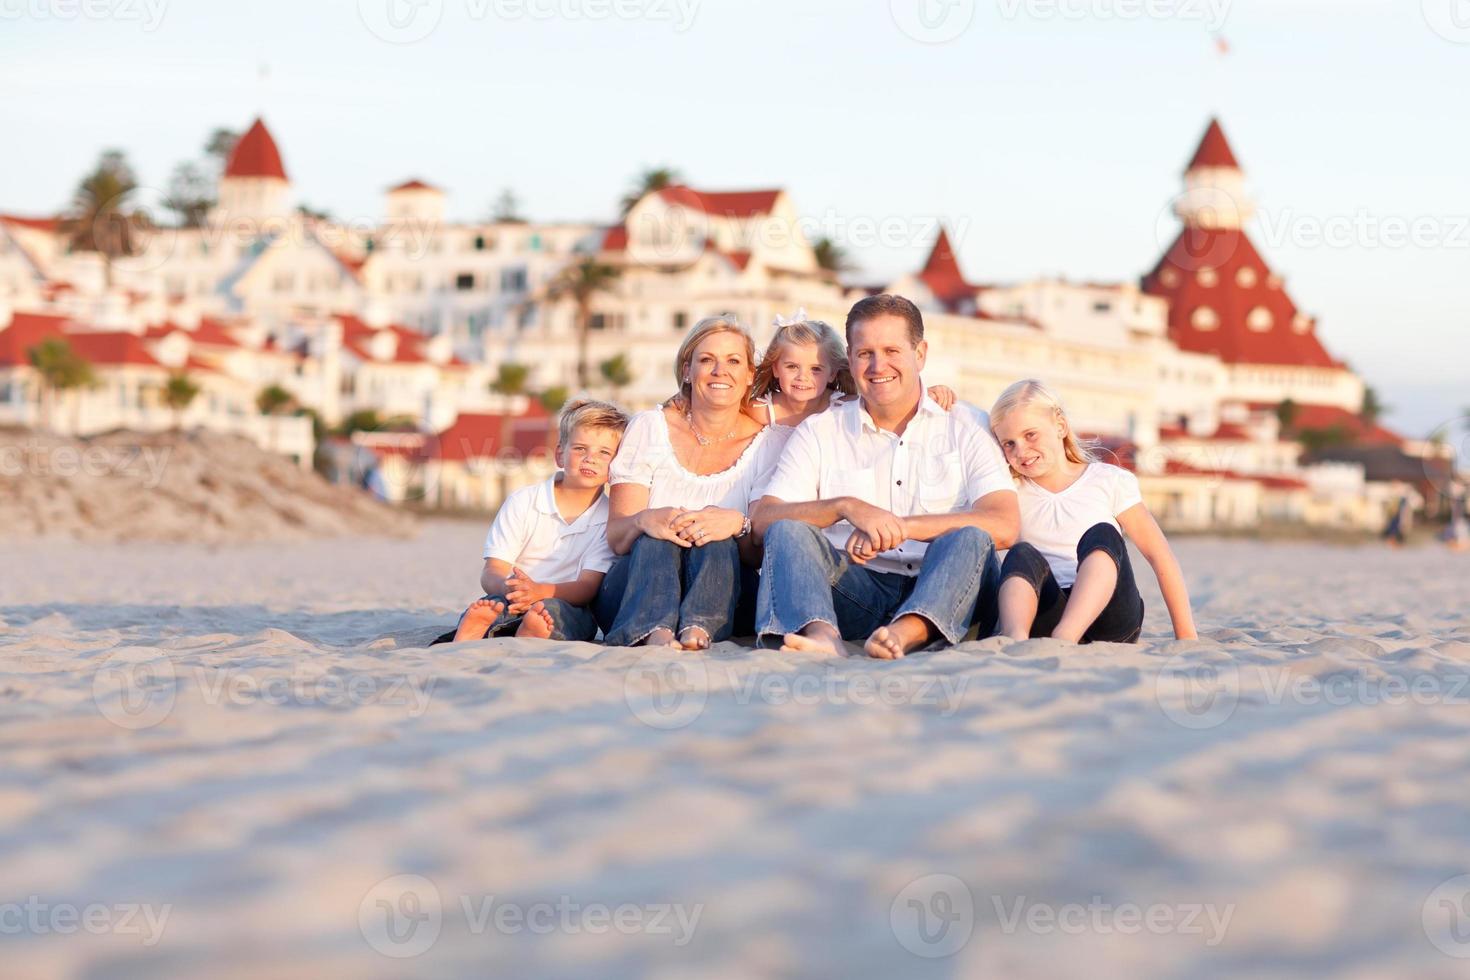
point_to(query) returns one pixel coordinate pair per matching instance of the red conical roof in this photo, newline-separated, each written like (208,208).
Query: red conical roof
(941,273)
(255,155)
(1214,150)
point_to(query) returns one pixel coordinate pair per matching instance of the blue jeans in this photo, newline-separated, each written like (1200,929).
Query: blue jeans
(805,580)
(661,585)
(569,622)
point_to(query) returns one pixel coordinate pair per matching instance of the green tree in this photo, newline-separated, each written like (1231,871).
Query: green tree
(553,399)
(99,221)
(831,256)
(61,369)
(190,195)
(507,208)
(1286,414)
(219,146)
(179,393)
(274,400)
(580,283)
(650,180)
(362,420)
(1373,409)
(617,372)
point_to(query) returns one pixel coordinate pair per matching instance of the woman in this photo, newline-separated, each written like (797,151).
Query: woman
(680,498)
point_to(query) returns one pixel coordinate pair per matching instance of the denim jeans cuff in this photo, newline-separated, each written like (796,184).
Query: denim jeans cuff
(946,627)
(774,629)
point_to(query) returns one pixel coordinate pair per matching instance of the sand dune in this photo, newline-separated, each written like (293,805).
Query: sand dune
(253,746)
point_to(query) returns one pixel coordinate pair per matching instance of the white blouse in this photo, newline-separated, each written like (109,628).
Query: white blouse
(646,457)
(1054,522)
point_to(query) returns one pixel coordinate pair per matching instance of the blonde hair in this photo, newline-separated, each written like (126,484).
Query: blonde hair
(592,415)
(1033,392)
(801,334)
(709,326)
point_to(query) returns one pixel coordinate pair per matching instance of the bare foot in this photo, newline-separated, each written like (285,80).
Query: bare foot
(661,637)
(899,638)
(818,638)
(694,638)
(478,619)
(537,623)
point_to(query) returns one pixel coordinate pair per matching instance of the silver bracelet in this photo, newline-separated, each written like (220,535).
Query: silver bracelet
(744,527)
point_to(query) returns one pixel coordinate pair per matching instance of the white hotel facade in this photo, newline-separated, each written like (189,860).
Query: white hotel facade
(412,315)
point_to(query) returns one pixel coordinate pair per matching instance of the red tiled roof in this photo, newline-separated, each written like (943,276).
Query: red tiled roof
(1320,417)
(941,273)
(478,435)
(1214,150)
(616,239)
(255,155)
(412,185)
(210,332)
(37,224)
(1224,432)
(1223,253)
(738,259)
(729,204)
(1175,467)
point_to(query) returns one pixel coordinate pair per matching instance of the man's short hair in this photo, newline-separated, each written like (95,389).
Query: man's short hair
(592,415)
(886,304)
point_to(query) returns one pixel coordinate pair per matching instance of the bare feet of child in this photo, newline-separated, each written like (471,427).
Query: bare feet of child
(536,623)
(693,638)
(478,619)
(818,638)
(661,637)
(900,638)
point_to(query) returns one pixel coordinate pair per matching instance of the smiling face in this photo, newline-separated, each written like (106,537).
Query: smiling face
(802,373)
(1032,439)
(586,456)
(885,362)
(720,373)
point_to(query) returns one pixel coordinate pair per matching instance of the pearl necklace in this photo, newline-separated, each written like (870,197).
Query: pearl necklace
(705,440)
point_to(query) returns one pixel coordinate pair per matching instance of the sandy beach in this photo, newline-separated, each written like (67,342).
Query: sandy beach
(243,761)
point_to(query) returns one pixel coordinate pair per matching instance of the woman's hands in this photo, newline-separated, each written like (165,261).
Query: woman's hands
(658,522)
(708,524)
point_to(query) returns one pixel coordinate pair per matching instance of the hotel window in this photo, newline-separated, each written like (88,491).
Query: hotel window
(1102,306)
(681,320)
(513,280)
(597,321)
(464,282)
(1205,318)
(1260,320)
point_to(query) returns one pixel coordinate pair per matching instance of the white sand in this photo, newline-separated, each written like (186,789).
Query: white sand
(1094,824)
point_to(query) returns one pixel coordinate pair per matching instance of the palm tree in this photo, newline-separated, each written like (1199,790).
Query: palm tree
(98,222)
(507,208)
(831,256)
(510,381)
(617,372)
(178,394)
(553,399)
(580,283)
(273,400)
(61,369)
(650,180)
(1286,414)
(1373,409)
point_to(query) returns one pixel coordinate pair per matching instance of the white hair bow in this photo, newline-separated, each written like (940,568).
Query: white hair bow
(798,317)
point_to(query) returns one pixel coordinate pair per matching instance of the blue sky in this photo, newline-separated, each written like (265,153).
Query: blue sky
(1048,134)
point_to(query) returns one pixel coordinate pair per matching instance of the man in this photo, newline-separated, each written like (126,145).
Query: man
(884,514)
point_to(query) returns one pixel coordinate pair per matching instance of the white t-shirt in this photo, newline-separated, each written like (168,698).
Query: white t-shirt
(529,532)
(1055,522)
(646,457)
(943,462)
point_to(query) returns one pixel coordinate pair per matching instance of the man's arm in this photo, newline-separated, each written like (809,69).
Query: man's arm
(998,514)
(887,530)
(821,513)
